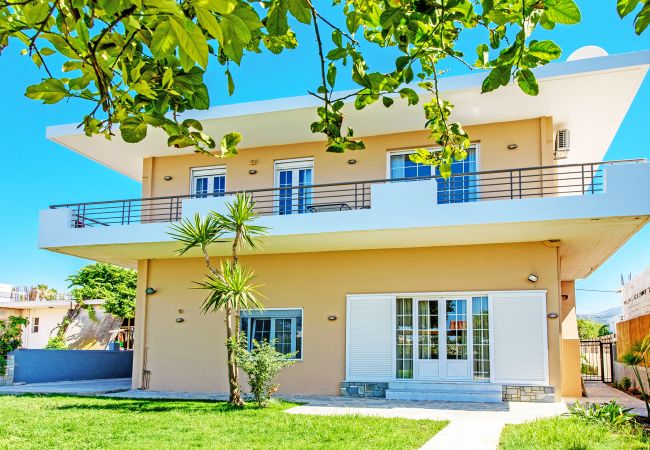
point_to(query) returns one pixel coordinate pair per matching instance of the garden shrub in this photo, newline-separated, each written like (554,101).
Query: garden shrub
(262,364)
(11,332)
(56,343)
(625,383)
(612,414)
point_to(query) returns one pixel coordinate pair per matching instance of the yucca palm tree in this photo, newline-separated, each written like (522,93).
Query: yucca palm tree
(230,287)
(639,355)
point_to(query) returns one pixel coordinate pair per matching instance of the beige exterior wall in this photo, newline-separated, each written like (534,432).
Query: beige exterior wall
(534,138)
(190,356)
(571,377)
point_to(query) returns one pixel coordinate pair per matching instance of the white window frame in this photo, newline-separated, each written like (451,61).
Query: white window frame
(290,164)
(207,171)
(410,151)
(36,322)
(272,329)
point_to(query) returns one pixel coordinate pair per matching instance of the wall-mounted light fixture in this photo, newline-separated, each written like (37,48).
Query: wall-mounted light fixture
(512,146)
(150,291)
(552,315)
(180,320)
(168,178)
(533,278)
(352,161)
(252,172)
(331,318)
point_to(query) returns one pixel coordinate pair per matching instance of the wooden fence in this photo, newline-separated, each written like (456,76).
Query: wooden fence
(630,331)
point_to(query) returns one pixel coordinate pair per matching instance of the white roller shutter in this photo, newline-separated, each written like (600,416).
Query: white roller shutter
(519,338)
(369,339)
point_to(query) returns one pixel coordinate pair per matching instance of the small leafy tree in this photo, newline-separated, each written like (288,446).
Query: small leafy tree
(230,287)
(262,364)
(639,355)
(588,329)
(11,338)
(113,284)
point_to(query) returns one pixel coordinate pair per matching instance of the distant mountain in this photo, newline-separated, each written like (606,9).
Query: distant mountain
(603,316)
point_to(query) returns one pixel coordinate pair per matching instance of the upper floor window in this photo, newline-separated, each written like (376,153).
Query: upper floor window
(293,176)
(458,188)
(282,326)
(209,181)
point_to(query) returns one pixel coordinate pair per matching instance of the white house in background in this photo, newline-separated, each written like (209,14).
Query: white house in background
(635,295)
(45,315)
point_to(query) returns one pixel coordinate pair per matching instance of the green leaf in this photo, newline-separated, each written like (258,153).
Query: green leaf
(220,6)
(547,50)
(191,40)
(209,22)
(229,143)
(133,129)
(625,7)
(276,21)
(353,21)
(387,101)
(331,74)
(562,11)
(499,76)
(300,10)
(410,95)
(642,19)
(163,40)
(193,123)
(47,51)
(50,91)
(527,82)
(231,83)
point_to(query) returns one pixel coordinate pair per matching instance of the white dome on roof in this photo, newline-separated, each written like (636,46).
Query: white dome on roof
(586,52)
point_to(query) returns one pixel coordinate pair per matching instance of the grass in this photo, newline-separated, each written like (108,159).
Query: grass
(61,422)
(569,433)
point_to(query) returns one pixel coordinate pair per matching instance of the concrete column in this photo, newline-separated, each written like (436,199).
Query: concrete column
(571,377)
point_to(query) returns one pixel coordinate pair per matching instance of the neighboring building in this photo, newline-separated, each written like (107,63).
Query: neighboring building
(635,295)
(44,316)
(458,289)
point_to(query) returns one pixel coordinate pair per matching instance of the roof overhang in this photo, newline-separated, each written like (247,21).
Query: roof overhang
(590,97)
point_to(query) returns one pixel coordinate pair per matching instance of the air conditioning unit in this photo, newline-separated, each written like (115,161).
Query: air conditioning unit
(562,145)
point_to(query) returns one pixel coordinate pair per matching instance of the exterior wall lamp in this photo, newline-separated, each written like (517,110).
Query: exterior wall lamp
(512,146)
(150,291)
(352,161)
(533,278)
(331,318)
(168,178)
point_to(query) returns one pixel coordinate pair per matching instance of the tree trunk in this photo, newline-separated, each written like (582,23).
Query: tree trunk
(233,372)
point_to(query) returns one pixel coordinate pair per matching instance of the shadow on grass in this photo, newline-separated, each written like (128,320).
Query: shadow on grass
(154,405)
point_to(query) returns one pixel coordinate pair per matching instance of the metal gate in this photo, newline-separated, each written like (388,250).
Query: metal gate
(597,360)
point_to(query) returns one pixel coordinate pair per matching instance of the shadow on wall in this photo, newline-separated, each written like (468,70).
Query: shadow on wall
(87,334)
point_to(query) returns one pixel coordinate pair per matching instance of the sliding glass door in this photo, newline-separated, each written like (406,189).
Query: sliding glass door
(442,338)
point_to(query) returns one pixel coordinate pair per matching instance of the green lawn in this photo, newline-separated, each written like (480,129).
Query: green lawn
(76,422)
(568,433)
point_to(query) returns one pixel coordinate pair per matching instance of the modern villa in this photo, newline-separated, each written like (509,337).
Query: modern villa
(386,279)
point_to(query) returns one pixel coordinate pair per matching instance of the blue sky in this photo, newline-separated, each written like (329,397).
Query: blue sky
(37,173)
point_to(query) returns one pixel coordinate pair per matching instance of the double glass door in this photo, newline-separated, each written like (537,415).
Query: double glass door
(433,338)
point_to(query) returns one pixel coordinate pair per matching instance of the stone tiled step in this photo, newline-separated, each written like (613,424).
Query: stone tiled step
(449,386)
(445,396)
(448,391)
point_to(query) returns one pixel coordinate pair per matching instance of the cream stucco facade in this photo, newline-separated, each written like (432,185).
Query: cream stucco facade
(520,251)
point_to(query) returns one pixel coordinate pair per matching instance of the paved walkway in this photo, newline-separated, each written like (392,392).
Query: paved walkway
(598,392)
(86,387)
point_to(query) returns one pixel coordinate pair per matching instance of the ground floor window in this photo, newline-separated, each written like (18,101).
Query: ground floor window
(481,338)
(404,335)
(282,326)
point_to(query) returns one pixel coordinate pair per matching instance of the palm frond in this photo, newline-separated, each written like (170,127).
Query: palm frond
(241,212)
(631,359)
(199,232)
(233,288)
